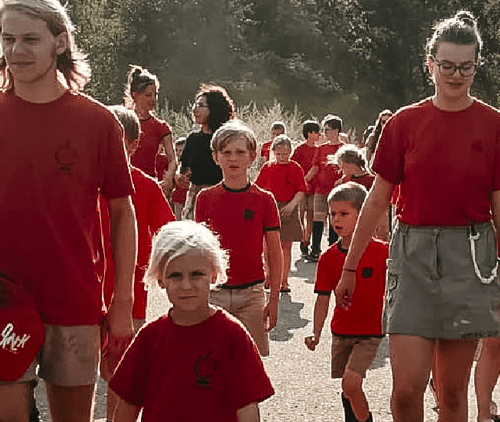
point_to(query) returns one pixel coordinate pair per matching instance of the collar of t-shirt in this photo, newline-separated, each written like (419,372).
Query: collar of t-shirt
(236,190)
(339,246)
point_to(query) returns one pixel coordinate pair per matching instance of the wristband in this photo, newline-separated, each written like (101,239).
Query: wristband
(349,270)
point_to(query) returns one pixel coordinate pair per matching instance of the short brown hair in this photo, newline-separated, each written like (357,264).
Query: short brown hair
(230,131)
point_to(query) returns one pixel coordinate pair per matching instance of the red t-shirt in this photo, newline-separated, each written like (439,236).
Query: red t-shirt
(446,162)
(204,372)
(178,195)
(327,174)
(152,212)
(152,132)
(161,166)
(366,180)
(240,218)
(304,155)
(364,317)
(57,156)
(282,180)
(265,150)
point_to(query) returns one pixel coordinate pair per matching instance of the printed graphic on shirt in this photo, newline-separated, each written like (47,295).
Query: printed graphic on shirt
(204,370)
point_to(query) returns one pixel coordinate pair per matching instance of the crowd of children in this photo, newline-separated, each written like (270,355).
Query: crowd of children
(203,359)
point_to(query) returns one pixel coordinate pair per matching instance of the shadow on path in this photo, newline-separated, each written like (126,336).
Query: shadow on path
(304,269)
(382,358)
(288,318)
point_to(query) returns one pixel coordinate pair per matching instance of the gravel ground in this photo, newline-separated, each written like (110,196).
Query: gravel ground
(304,390)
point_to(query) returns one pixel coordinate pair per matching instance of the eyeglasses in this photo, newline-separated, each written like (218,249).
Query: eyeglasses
(199,105)
(446,68)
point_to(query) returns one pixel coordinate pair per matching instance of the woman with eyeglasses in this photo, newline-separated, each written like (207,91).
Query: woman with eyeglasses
(141,94)
(442,285)
(212,107)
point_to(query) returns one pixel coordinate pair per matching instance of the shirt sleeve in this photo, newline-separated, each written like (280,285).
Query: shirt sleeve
(249,382)
(200,209)
(327,273)
(164,129)
(389,160)
(130,379)
(296,156)
(261,180)
(186,152)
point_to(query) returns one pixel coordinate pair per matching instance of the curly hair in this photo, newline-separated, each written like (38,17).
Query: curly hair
(220,105)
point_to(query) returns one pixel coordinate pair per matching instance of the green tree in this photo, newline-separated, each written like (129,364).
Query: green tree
(100,34)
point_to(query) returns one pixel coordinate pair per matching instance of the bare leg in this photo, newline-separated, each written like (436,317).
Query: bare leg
(308,226)
(70,404)
(453,364)
(434,385)
(352,387)
(287,263)
(14,402)
(411,361)
(112,402)
(486,376)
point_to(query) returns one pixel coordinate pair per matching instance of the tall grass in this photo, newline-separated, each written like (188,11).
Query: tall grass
(259,119)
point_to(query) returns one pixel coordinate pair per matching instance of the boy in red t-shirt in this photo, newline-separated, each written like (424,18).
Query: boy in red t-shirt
(197,362)
(357,332)
(304,155)
(285,180)
(244,216)
(325,176)
(277,128)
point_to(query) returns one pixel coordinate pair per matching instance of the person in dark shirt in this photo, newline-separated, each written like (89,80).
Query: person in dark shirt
(212,107)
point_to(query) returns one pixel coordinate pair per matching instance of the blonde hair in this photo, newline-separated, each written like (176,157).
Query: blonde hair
(71,63)
(233,129)
(348,154)
(281,141)
(177,238)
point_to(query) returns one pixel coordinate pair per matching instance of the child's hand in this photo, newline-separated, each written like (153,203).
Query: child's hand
(287,210)
(311,342)
(184,180)
(345,289)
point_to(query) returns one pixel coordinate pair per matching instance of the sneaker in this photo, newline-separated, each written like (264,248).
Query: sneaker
(313,257)
(34,416)
(304,250)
